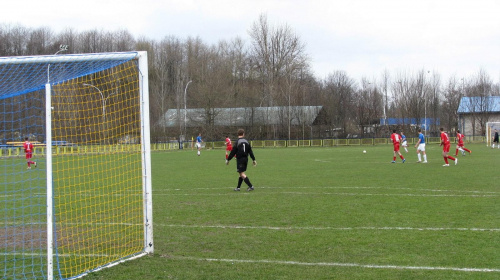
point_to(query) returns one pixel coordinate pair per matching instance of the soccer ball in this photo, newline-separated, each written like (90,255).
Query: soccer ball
(364,151)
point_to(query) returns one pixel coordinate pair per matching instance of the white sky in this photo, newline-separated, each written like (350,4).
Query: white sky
(362,37)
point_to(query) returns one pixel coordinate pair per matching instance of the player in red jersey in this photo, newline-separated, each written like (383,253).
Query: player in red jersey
(445,142)
(229,146)
(396,140)
(460,144)
(28,150)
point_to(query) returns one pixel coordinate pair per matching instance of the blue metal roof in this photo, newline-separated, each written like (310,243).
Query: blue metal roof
(410,121)
(490,104)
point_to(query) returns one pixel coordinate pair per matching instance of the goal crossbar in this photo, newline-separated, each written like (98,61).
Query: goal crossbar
(69,58)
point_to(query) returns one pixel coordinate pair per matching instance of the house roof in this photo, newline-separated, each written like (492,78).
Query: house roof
(240,116)
(489,104)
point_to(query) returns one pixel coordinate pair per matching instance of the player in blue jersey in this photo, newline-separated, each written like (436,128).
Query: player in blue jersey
(421,147)
(404,143)
(198,143)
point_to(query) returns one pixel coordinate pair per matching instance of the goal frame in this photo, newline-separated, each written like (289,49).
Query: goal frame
(145,150)
(489,132)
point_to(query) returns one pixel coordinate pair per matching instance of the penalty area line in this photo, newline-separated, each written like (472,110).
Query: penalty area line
(399,267)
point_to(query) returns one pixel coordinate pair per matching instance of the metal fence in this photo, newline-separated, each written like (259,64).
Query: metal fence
(312,143)
(79,150)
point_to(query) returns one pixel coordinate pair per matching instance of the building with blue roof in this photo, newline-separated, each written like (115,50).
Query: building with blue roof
(475,112)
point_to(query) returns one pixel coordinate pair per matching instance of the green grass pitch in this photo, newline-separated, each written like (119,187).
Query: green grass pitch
(323,213)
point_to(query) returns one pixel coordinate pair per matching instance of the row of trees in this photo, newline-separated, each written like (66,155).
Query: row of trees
(272,69)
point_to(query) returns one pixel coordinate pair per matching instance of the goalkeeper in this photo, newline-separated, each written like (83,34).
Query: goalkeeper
(241,149)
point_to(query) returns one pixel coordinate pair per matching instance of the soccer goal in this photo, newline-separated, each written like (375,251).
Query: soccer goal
(490,132)
(86,203)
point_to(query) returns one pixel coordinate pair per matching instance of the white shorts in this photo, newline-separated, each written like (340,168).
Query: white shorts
(198,145)
(404,144)
(421,147)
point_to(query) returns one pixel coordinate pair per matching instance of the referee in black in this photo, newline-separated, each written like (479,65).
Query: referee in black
(241,149)
(495,140)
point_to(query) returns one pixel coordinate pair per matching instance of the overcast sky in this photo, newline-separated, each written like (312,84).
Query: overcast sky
(362,37)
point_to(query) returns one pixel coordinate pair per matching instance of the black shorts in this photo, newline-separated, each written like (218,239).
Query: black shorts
(241,164)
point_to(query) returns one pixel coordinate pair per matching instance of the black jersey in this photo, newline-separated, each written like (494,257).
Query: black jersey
(241,149)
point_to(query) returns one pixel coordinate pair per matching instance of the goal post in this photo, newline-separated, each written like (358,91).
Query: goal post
(490,132)
(83,201)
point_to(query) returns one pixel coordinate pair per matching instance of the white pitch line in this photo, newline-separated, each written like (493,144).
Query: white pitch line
(395,194)
(279,228)
(384,188)
(399,267)
(331,228)
(349,187)
(338,194)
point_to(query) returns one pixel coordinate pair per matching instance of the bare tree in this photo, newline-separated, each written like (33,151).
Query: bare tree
(278,54)
(401,89)
(362,106)
(237,57)
(338,98)
(495,89)
(385,88)
(167,80)
(90,41)
(410,95)
(18,38)
(4,40)
(123,41)
(40,41)
(67,37)
(433,102)
(107,39)
(479,105)
(451,100)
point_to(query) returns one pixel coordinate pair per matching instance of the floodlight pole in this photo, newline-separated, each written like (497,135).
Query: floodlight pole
(104,101)
(289,113)
(385,105)
(425,104)
(62,48)
(462,94)
(185,107)
(425,110)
